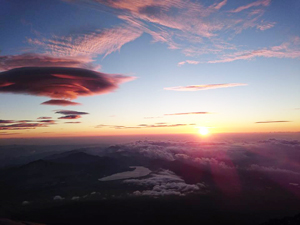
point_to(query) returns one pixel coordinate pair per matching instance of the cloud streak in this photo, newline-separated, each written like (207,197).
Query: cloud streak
(188,113)
(156,125)
(274,121)
(203,87)
(70,117)
(253,4)
(285,50)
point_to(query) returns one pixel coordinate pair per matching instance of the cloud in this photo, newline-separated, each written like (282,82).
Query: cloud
(61,102)
(188,113)
(42,60)
(203,87)
(99,42)
(70,117)
(201,26)
(274,121)
(8,133)
(59,82)
(156,125)
(7,121)
(220,5)
(70,112)
(266,26)
(255,167)
(73,122)
(44,118)
(253,4)
(164,183)
(23,126)
(47,121)
(193,62)
(285,50)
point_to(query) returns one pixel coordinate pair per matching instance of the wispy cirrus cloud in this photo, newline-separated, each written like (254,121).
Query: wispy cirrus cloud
(274,121)
(193,62)
(253,4)
(99,42)
(61,102)
(203,87)
(200,26)
(285,50)
(59,82)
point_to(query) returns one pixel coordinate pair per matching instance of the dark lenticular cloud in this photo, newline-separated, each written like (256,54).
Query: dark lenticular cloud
(73,122)
(44,118)
(6,121)
(70,112)
(59,82)
(275,121)
(61,102)
(70,117)
(47,121)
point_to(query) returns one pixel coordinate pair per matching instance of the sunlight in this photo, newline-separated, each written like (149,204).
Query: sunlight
(203,131)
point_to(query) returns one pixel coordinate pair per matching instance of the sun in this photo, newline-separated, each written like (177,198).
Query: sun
(203,131)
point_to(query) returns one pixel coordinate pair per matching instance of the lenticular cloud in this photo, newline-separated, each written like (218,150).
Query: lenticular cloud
(59,82)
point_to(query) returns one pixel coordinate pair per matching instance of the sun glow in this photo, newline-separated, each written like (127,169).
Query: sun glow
(203,131)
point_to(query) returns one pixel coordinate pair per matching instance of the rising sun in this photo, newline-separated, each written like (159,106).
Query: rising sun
(203,131)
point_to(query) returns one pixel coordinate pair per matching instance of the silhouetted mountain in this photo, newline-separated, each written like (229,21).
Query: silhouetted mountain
(294,220)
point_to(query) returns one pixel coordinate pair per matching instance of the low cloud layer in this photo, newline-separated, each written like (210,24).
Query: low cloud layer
(164,183)
(59,82)
(203,87)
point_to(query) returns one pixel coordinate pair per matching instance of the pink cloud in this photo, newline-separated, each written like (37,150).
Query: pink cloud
(253,4)
(70,117)
(41,60)
(285,50)
(99,42)
(203,87)
(193,62)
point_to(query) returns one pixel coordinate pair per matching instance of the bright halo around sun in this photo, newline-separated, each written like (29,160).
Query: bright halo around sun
(203,131)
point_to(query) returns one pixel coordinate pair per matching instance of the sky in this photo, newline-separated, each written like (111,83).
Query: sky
(106,67)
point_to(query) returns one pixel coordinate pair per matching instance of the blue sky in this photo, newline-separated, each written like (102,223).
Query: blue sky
(237,62)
